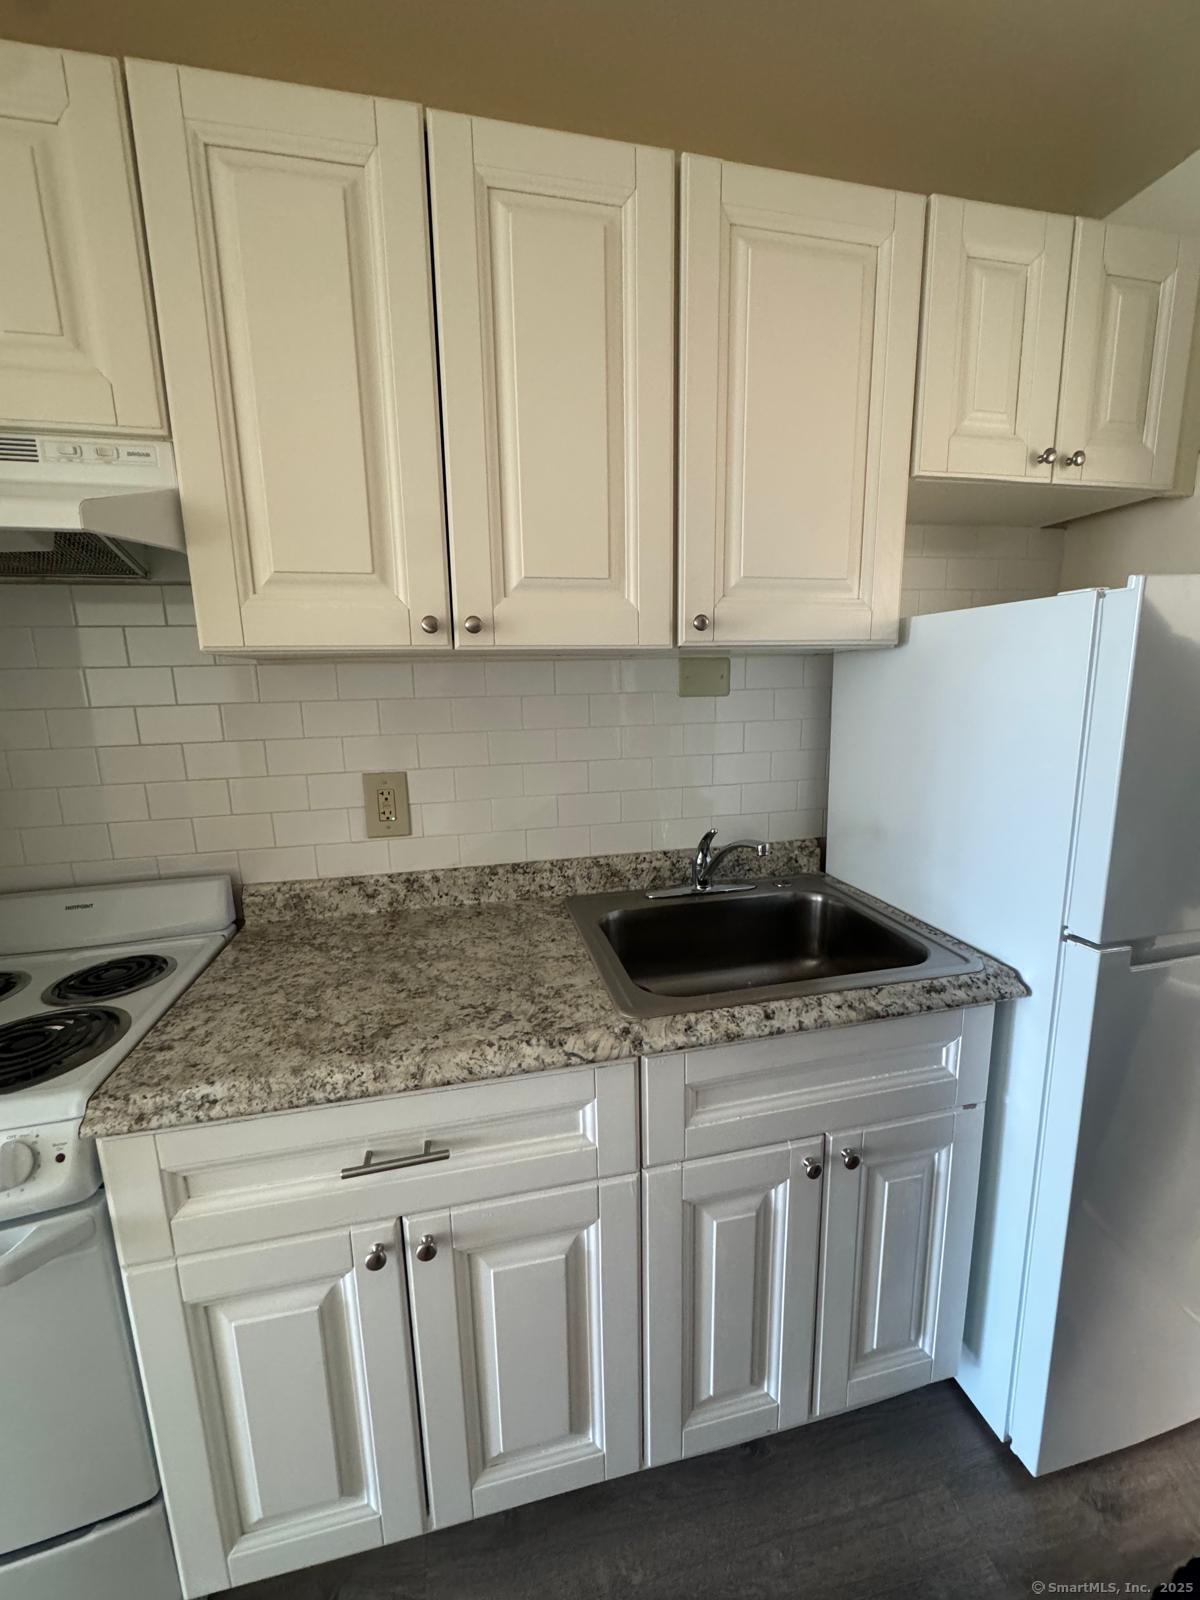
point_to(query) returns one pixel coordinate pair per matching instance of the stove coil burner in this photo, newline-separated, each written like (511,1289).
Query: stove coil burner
(10,982)
(37,1048)
(108,980)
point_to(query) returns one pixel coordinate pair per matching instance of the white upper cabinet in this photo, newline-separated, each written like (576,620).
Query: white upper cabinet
(555,293)
(991,345)
(77,344)
(799,309)
(1125,362)
(1053,350)
(289,243)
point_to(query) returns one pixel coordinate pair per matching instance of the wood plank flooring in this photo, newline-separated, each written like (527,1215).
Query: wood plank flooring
(912,1499)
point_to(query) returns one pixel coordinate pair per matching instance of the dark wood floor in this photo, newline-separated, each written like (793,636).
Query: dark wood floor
(912,1499)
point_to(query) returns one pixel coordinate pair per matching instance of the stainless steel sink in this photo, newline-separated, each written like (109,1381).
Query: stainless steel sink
(789,936)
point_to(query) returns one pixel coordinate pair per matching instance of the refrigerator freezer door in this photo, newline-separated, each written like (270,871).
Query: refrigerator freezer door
(1110,1339)
(1136,868)
(952,790)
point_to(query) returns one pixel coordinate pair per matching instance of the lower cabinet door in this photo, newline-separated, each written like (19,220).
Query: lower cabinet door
(731,1250)
(279,1385)
(895,1255)
(525,1321)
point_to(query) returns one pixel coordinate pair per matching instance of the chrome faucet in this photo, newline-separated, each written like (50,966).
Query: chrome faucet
(704,866)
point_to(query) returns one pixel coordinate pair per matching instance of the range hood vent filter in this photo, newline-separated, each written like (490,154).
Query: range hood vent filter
(72,557)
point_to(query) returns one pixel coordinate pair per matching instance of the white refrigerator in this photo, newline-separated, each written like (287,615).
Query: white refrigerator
(1027,776)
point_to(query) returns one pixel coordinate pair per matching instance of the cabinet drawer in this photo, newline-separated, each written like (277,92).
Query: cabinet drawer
(736,1097)
(269,1177)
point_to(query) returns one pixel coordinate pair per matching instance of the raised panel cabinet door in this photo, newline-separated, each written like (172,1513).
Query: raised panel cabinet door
(279,1385)
(731,1250)
(895,1254)
(1129,339)
(555,293)
(799,309)
(994,311)
(525,1322)
(289,243)
(77,342)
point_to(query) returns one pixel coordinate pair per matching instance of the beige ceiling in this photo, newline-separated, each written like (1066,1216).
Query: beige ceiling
(1071,105)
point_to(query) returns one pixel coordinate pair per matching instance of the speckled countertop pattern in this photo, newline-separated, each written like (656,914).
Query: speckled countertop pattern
(353,988)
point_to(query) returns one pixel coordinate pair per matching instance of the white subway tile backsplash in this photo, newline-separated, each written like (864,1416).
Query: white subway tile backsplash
(199,797)
(179,724)
(79,647)
(272,794)
(112,802)
(141,763)
(131,686)
(210,686)
(374,680)
(323,718)
(182,761)
(23,730)
(116,605)
(151,838)
(30,688)
(262,721)
(52,769)
(42,605)
(250,832)
(244,759)
(106,725)
(159,647)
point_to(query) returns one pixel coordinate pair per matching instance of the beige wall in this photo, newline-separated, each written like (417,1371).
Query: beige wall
(1017,102)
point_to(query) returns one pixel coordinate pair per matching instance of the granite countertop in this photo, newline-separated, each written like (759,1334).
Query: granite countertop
(348,988)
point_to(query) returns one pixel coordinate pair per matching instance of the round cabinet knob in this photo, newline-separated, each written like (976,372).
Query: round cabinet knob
(1075,459)
(1048,457)
(473,625)
(377,1260)
(812,1167)
(429,624)
(17,1161)
(426,1250)
(851,1159)
(700,622)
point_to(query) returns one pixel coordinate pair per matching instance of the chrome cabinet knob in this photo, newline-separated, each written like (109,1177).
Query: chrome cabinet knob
(426,1249)
(700,622)
(1075,459)
(1048,457)
(851,1159)
(429,624)
(377,1260)
(812,1167)
(473,625)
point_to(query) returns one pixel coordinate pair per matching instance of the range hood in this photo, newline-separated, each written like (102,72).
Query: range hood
(75,509)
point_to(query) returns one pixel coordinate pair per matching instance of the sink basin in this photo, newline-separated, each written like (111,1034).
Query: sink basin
(784,937)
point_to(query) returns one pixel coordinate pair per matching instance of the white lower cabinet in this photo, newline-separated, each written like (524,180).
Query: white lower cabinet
(503,1306)
(895,1253)
(525,1322)
(279,1383)
(731,1249)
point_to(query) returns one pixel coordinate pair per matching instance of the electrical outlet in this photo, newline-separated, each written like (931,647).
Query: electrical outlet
(385,800)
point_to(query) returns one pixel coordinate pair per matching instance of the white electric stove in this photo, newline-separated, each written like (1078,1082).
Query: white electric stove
(84,974)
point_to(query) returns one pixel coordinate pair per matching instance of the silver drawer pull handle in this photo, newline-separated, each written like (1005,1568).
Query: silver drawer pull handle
(371,1164)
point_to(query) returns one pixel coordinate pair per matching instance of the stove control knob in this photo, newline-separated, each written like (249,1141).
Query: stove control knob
(17,1161)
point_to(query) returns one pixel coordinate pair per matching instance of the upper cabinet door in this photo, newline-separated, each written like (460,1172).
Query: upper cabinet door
(1129,340)
(991,342)
(77,346)
(289,243)
(555,292)
(799,330)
